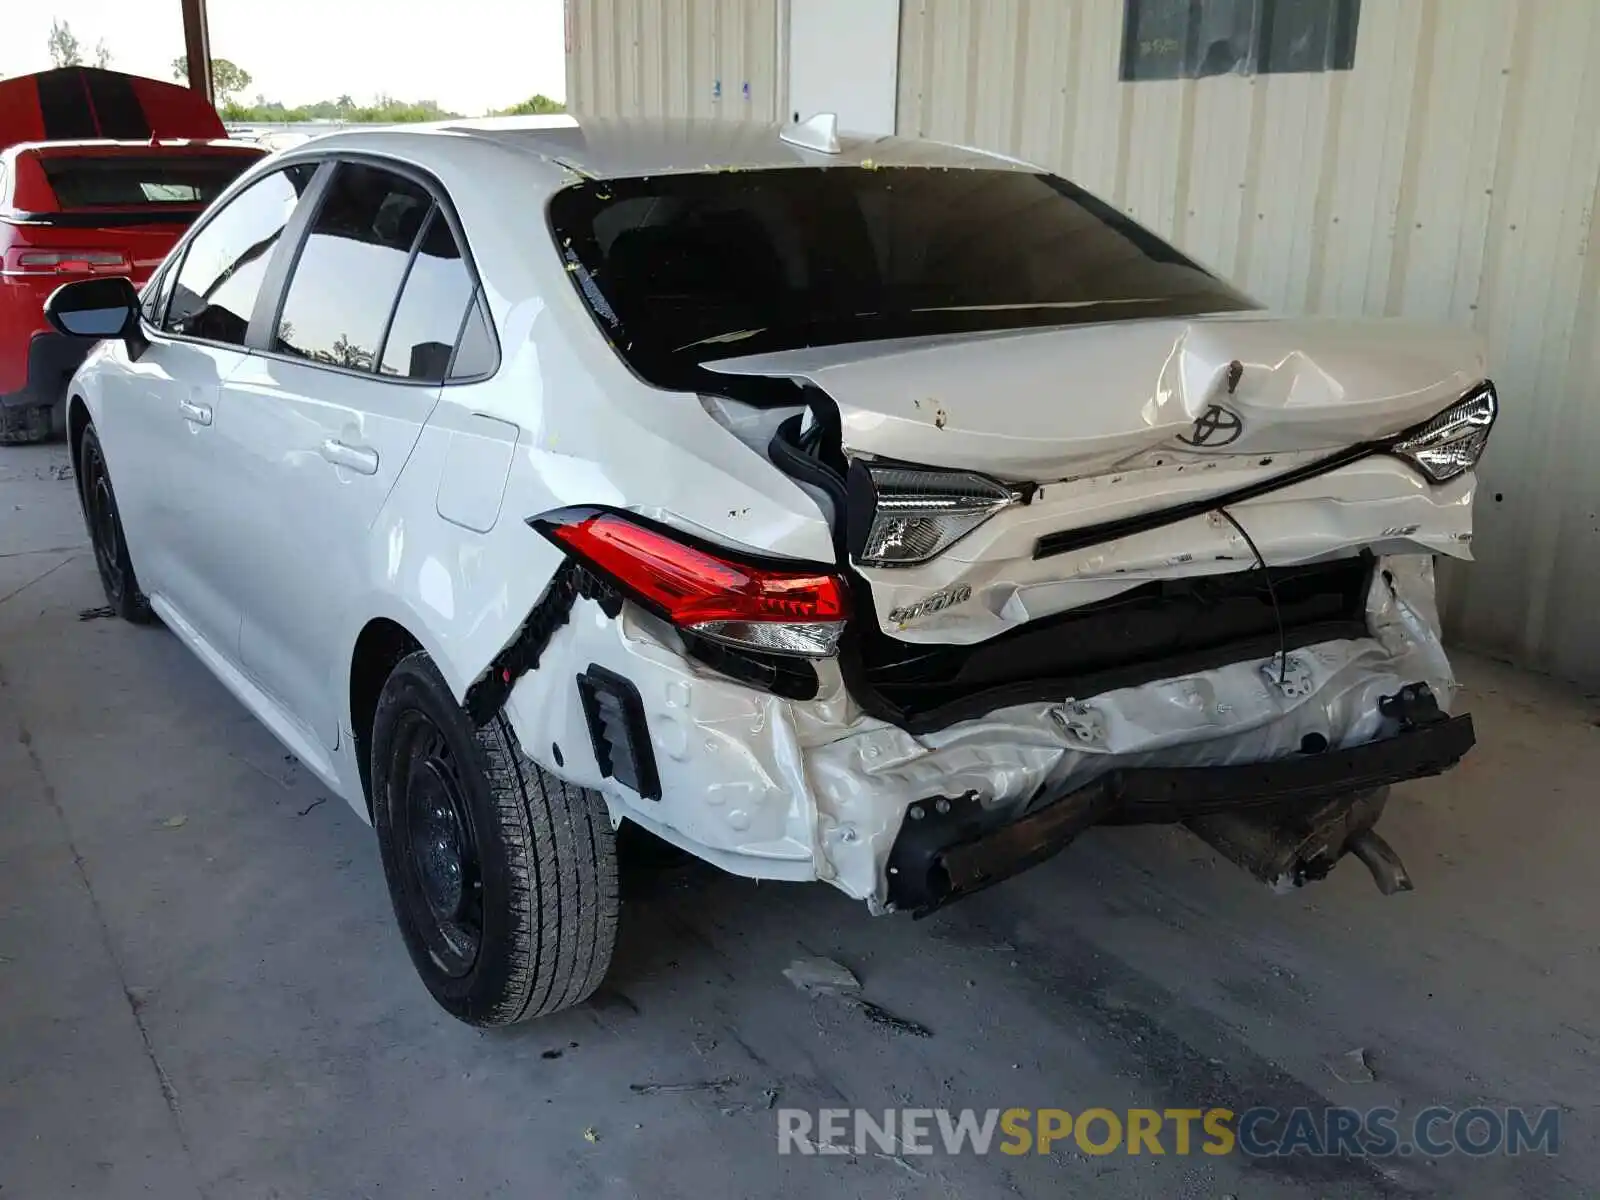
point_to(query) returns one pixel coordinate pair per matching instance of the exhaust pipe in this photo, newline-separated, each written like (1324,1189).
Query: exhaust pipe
(1286,850)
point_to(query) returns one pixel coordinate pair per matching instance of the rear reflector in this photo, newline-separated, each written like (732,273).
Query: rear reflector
(67,262)
(759,607)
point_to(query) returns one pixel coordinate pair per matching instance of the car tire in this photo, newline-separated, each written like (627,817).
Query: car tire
(104,522)
(25,424)
(503,878)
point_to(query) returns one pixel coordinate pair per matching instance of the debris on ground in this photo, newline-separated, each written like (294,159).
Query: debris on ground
(878,1015)
(825,977)
(589,1134)
(62,471)
(678,1089)
(769,1100)
(96,614)
(1352,1067)
(313,804)
(821,975)
(177,822)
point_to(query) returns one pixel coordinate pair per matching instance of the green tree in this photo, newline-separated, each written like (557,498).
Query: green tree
(536,105)
(102,54)
(227,79)
(63,43)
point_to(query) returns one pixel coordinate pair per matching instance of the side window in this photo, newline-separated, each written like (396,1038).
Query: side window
(344,285)
(475,355)
(217,285)
(432,303)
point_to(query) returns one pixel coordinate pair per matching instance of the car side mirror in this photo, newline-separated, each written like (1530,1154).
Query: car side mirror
(106,307)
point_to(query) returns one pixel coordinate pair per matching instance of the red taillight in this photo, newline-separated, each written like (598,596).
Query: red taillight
(782,611)
(67,262)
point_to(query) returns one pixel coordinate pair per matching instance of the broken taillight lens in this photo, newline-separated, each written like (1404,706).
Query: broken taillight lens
(758,607)
(1452,442)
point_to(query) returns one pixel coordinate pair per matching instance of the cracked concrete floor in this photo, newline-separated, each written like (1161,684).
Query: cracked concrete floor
(201,994)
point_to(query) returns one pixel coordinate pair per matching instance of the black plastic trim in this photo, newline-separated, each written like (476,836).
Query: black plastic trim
(792,459)
(489,691)
(632,762)
(1069,540)
(868,686)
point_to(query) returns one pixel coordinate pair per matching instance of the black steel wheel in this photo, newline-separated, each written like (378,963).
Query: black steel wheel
(104,522)
(441,875)
(502,877)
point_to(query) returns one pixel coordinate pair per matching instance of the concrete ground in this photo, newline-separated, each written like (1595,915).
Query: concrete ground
(202,995)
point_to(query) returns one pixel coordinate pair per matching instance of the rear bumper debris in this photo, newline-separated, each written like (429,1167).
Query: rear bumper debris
(779,788)
(1287,821)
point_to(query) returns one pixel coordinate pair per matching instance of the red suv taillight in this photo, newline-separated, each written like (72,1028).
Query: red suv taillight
(764,607)
(67,262)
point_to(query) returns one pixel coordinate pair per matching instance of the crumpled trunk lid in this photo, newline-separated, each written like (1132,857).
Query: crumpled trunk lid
(1053,404)
(1116,420)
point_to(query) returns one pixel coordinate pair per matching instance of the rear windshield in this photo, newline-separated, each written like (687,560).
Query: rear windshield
(683,269)
(127,182)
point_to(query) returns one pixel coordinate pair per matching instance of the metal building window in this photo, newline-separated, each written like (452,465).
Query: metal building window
(1186,39)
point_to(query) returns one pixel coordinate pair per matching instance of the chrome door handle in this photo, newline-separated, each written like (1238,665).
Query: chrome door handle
(200,414)
(360,459)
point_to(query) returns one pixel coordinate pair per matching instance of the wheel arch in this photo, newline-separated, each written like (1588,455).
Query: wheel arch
(78,419)
(381,644)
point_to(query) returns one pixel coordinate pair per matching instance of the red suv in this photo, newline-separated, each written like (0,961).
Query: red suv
(100,173)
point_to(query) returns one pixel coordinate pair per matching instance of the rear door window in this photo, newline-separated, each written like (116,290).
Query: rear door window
(226,261)
(350,269)
(432,304)
(137,182)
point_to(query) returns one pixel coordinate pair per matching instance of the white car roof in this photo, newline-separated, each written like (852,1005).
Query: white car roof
(611,148)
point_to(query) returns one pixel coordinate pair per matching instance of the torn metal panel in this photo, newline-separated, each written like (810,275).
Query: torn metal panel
(775,788)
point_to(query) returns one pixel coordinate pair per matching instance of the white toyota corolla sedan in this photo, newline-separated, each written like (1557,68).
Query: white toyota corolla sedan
(863,510)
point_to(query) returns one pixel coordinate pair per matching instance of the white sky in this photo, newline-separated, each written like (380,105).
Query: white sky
(469,55)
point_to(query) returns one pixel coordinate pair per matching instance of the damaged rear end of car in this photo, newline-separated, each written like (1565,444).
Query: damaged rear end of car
(1109,544)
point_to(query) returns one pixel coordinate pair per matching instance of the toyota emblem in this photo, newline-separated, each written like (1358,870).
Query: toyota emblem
(1214,428)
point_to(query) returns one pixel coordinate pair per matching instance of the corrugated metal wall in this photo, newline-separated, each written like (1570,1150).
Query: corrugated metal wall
(1450,176)
(675,58)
